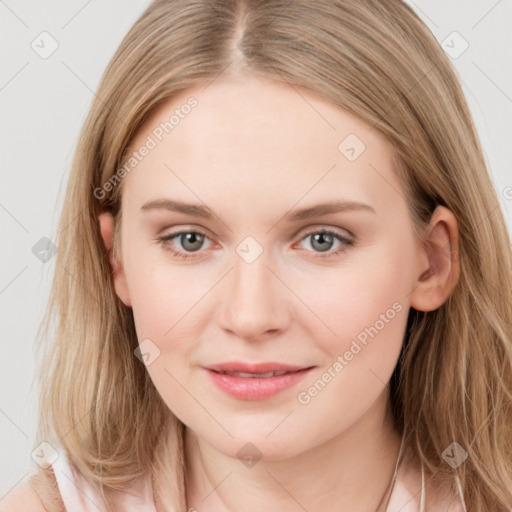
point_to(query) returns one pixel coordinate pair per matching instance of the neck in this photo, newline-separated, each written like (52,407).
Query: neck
(350,472)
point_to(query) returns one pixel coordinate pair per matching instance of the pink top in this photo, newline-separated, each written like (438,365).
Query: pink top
(79,496)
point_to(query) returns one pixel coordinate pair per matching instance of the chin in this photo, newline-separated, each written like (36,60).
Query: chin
(255,447)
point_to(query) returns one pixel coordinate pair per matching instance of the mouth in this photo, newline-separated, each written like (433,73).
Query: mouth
(255,369)
(254,375)
(254,385)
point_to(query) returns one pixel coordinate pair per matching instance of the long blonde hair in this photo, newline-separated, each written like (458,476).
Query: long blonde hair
(375,59)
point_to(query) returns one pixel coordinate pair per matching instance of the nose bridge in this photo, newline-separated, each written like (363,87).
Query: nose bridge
(252,305)
(252,280)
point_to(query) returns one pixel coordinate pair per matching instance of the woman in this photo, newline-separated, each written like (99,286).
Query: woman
(248,370)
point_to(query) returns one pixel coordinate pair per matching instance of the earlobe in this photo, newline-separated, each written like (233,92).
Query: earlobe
(438,262)
(106,223)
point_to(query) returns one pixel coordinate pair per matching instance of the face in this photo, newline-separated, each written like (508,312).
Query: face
(252,281)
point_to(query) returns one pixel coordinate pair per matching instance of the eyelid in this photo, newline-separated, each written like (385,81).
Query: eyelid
(323,227)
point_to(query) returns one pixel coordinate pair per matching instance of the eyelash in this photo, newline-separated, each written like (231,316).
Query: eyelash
(163,240)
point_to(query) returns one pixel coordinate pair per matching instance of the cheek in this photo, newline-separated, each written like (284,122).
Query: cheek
(167,310)
(363,315)
(164,296)
(354,295)
(364,324)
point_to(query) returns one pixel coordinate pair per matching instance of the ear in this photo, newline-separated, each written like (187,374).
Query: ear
(438,262)
(106,222)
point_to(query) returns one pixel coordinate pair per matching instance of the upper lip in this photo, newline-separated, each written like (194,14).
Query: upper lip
(237,366)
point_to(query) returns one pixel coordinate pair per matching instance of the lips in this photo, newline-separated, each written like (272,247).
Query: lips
(262,381)
(257,386)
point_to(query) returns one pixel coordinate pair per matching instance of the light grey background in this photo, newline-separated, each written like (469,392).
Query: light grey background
(43,104)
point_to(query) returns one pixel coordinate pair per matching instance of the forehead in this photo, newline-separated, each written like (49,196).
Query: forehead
(255,139)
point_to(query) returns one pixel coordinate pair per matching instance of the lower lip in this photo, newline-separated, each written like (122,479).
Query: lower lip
(254,388)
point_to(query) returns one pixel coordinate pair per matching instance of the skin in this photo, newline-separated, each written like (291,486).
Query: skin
(252,150)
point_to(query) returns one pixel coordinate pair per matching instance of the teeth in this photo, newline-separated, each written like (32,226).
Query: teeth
(254,375)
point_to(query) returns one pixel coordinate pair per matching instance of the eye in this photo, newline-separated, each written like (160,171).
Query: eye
(191,241)
(322,240)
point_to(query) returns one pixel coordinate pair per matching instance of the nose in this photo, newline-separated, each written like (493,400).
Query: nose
(256,302)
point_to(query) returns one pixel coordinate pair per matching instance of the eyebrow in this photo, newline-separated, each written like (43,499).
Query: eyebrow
(309,212)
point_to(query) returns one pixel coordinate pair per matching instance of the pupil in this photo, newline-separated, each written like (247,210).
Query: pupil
(193,238)
(322,237)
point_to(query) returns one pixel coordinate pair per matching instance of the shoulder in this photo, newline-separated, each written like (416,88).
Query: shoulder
(21,499)
(39,493)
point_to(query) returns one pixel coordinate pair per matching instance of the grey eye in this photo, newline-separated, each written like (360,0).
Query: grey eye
(321,241)
(191,241)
